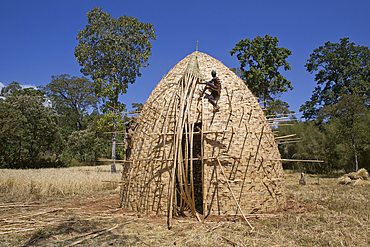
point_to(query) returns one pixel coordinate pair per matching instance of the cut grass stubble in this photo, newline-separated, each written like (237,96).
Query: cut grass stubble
(321,213)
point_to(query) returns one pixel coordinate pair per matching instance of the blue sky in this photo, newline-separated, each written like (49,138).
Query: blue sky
(37,38)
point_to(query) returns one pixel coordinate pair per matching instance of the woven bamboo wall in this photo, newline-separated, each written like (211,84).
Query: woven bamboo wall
(238,137)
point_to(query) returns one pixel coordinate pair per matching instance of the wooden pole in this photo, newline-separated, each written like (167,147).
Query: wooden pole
(232,192)
(282,137)
(317,161)
(259,143)
(177,145)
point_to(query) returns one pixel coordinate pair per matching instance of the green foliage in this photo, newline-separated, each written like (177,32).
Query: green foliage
(339,107)
(112,51)
(85,145)
(310,147)
(71,96)
(13,87)
(108,121)
(27,129)
(137,106)
(260,61)
(328,141)
(341,68)
(277,107)
(347,114)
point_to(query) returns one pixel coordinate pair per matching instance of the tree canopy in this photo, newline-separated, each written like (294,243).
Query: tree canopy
(260,60)
(112,51)
(27,128)
(341,68)
(71,93)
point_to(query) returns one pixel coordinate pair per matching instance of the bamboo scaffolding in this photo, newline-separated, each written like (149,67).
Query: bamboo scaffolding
(151,159)
(283,120)
(191,137)
(122,113)
(232,192)
(176,153)
(282,137)
(203,164)
(191,190)
(275,119)
(101,159)
(197,133)
(287,142)
(289,139)
(287,114)
(317,161)
(150,175)
(280,124)
(164,157)
(259,143)
(180,124)
(117,132)
(229,100)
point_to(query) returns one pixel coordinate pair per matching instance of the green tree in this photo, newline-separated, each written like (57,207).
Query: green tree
(71,93)
(338,139)
(347,115)
(260,60)
(10,132)
(137,107)
(278,107)
(85,145)
(112,51)
(13,87)
(28,128)
(342,68)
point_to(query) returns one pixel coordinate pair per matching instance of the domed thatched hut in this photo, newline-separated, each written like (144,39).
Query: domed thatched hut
(185,156)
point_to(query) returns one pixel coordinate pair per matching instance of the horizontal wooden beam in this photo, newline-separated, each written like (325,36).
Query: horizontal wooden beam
(317,161)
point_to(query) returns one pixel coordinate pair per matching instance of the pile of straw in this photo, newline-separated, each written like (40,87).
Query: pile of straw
(361,177)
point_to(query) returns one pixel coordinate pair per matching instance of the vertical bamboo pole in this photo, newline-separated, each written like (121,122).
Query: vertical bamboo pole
(187,87)
(191,165)
(232,193)
(204,168)
(177,151)
(259,143)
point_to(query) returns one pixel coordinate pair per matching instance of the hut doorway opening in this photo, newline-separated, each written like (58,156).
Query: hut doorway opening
(192,172)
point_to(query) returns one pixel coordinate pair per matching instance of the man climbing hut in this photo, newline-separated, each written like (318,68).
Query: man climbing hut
(128,139)
(214,86)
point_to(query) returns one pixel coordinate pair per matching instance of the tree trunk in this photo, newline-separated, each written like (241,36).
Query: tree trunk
(113,162)
(354,151)
(265,95)
(114,135)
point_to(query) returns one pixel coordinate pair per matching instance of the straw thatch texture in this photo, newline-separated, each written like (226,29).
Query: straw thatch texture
(179,143)
(361,177)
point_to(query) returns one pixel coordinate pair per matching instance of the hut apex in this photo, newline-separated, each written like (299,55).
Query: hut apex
(188,159)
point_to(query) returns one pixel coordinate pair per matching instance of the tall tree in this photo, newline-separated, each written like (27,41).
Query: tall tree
(342,68)
(73,93)
(260,60)
(348,115)
(27,128)
(112,51)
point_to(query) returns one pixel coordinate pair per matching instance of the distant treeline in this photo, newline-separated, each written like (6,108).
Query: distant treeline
(332,142)
(39,128)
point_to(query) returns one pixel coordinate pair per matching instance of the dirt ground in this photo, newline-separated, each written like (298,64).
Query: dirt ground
(96,220)
(88,221)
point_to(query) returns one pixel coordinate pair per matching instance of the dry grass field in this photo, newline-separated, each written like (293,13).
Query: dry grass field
(73,207)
